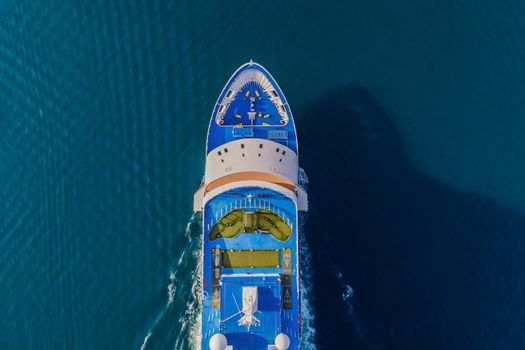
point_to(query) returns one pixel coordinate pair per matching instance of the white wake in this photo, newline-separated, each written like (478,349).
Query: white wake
(184,285)
(307,310)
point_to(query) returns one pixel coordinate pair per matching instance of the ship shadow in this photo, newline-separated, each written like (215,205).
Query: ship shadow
(401,260)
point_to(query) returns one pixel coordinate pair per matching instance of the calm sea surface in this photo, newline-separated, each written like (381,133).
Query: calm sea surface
(411,119)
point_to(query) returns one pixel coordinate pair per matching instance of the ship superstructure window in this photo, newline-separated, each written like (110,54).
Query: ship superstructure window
(229,93)
(251,259)
(277,150)
(261,145)
(225,150)
(284,152)
(242,145)
(274,94)
(219,153)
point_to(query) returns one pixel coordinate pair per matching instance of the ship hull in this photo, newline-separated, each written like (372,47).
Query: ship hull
(250,199)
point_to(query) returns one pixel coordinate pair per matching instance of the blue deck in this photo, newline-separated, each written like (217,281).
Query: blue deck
(269,290)
(274,318)
(252,98)
(267,122)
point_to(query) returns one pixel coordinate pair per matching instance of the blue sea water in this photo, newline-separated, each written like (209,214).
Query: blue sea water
(411,128)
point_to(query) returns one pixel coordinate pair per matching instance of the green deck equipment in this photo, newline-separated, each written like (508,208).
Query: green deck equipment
(262,220)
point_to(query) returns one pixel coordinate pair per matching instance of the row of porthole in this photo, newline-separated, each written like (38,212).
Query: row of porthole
(242,146)
(280,159)
(260,146)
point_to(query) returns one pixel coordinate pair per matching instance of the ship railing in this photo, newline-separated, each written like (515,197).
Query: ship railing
(249,203)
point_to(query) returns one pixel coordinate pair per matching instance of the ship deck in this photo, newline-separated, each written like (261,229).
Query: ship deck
(252,99)
(269,313)
(250,200)
(274,276)
(251,105)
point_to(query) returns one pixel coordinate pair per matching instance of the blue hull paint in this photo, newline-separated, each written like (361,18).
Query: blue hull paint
(278,288)
(221,134)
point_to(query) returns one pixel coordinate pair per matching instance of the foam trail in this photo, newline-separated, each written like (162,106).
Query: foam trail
(160,316)
(347,295)
(191,321)
(176,289)
(347,292)
(189,335)
(348,298)
(143,346)
(172,288)
(308,333)
(307,311)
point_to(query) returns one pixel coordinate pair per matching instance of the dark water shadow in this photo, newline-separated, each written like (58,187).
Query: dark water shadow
(431,267)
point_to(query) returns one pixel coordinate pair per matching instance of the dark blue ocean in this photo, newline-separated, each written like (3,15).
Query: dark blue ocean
(411,122)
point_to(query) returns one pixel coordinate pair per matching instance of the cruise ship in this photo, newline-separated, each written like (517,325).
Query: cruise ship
(250,199)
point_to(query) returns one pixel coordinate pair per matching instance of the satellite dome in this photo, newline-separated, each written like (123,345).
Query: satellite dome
(218,342)
(282,342)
